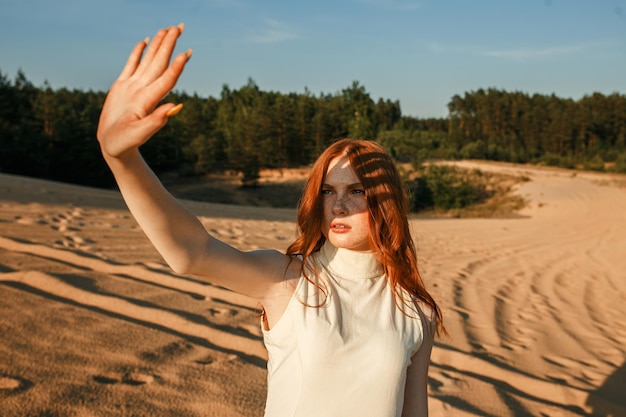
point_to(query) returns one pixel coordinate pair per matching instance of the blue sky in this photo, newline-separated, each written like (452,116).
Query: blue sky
(418,52)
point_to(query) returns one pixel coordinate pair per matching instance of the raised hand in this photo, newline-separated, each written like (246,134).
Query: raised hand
(129,116)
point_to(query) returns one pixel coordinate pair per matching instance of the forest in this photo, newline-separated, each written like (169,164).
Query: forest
(50,133)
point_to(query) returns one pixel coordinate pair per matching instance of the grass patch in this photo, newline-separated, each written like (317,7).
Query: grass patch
(449,191)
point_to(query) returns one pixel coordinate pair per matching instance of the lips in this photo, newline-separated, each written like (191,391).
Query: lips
(339,228)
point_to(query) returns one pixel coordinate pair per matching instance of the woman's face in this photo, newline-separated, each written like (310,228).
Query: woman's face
(346,215)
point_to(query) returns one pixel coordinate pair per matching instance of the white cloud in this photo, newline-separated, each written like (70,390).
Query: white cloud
(528,54)
(395,5)
(514,54)
(274,32)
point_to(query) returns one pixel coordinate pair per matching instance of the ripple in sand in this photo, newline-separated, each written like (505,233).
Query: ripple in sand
(592,377)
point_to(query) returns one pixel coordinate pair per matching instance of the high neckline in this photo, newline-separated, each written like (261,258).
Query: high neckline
(346,263)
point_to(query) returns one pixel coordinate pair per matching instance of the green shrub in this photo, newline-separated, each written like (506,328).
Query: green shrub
(474,150)
(595,164)
(556,160)
(420,196)
(620,164)
(445,188)
(551,159)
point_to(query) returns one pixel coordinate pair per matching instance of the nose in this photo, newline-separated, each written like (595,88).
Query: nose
(340,207)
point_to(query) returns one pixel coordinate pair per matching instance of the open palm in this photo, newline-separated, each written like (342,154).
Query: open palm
(130,115)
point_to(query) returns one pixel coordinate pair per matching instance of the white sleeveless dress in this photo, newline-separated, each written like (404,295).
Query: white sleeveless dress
(348,357)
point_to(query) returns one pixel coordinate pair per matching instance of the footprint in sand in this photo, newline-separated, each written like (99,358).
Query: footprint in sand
(223,311)
(64,228)
(10,385)
(207,360)
(167,352)
(108,379)
(70,225)
(129,378)
(213,359)
(28,221)
(73,241)
(137,378)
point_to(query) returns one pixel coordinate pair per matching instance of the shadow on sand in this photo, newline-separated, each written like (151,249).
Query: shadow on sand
(610,399)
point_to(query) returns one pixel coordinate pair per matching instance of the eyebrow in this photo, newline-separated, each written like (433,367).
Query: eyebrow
(353,185)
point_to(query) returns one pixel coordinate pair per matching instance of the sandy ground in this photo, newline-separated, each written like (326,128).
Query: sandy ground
(92,323)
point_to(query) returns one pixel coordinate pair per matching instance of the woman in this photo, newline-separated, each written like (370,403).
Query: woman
(347,321)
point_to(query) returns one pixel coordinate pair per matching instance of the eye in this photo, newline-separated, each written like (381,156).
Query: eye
(327,192)
(358,191)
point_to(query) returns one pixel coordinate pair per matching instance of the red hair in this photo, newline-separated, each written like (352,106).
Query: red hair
(388,209)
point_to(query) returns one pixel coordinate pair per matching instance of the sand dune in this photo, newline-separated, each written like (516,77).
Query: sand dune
(92,323)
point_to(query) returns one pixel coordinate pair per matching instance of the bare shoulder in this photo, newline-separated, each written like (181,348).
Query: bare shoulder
(428,318)
(278,263)
(256,273)
(283,271)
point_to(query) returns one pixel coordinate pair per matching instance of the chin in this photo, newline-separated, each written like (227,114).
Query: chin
(350,245)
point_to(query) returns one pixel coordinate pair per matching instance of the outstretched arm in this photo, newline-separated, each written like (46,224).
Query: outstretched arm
(130,116)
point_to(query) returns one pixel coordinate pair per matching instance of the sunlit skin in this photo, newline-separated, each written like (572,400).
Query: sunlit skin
(346,215)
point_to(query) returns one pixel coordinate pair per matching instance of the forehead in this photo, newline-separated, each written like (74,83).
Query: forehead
(340,171)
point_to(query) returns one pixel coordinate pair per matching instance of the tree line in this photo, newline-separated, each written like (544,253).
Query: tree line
(50,133)
(518,127)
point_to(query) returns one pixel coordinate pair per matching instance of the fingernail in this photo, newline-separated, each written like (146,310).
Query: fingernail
(147,40)
(188,54)
(174,110)
(181,27)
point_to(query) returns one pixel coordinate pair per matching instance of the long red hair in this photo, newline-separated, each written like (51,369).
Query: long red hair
(388,208)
